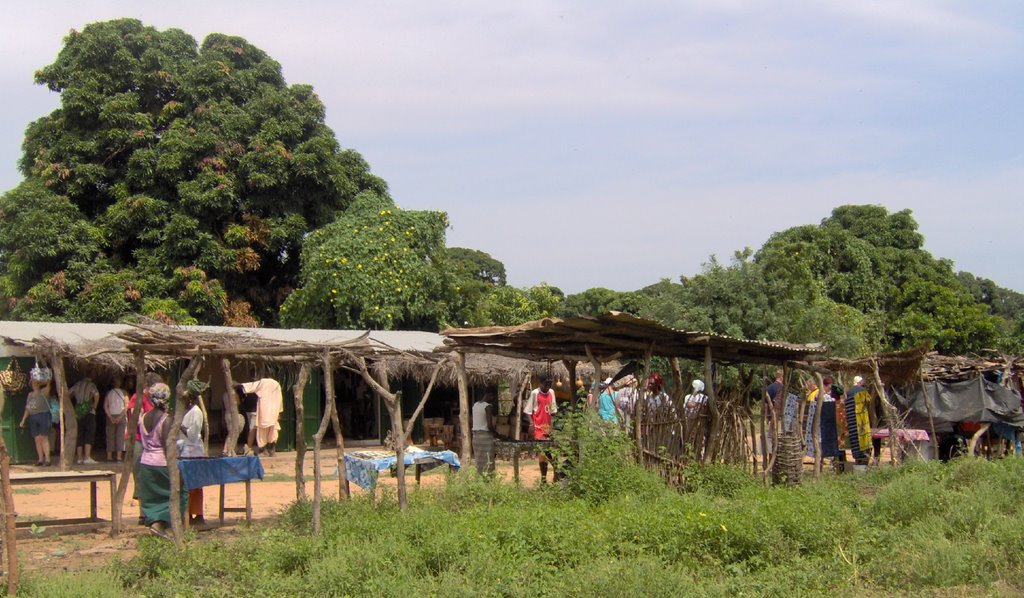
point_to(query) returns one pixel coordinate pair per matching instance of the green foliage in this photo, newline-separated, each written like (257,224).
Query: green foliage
(164,156)
(596,457)
(599,300)
(376,266)
(509,306)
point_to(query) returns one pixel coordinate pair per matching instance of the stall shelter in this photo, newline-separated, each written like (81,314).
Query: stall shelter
(100,352)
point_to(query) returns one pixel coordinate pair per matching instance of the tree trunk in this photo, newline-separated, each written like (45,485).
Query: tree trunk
(9,513)
(890,413)
(300,434)
(231,407)
(68,421)
(172,449)
(129,445)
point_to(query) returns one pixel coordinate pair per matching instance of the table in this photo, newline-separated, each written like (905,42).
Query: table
(70,477)
(218,471)
(511,449)
(362,467)
(910,442)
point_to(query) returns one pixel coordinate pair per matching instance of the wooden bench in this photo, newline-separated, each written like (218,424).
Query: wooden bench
(76,524)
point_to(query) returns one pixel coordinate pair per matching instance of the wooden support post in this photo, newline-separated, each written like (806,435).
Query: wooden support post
(393,401)
(231,407)
(890,413)
(934,442)
(710,446)
(318,438)
(816,424)
(595,388)
(172,449)
(339,441)
(423,401)
(517,431)
(9,512)
(466,450)
(128,467)
(68,421)
(298,392)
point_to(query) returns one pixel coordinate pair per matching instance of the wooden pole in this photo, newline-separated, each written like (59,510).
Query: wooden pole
(466,450)
(319,437)
(9,513)
(423,401)
(172,450)
(298,392)
(68,429)
(393,401)
(816,424)
(596,386)
(127,468)
(710,446)
(339,441)
(931,419)
(231,406)
(518,429)
(890,413)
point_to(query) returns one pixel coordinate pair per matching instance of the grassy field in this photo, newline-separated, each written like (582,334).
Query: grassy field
(927,529)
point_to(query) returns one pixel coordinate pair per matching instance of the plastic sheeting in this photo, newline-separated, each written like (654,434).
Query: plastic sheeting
(976,400)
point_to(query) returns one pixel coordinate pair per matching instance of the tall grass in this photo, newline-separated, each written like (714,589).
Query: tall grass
(919,530)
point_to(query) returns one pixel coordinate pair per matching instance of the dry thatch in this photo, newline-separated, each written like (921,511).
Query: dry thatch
(481,369)
(617,335)
(899,367)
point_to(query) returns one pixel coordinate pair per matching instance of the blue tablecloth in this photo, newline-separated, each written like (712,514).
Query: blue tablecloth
(361,467)
(196,473)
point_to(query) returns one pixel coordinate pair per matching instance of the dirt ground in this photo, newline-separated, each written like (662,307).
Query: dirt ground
(77,551)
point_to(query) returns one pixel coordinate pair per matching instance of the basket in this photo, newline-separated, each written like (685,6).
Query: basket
(13,378)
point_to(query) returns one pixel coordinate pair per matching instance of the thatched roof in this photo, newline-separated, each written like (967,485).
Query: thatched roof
(617,335)
(900,367)
(481,369)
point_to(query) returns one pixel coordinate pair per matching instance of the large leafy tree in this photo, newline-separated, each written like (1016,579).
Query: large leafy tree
(190,174)
(599,300)
(376,266)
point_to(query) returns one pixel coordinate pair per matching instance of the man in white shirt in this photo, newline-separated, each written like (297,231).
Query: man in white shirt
(483,437)
(117,421)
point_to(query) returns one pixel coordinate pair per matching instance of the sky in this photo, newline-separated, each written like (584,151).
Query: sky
(613,144)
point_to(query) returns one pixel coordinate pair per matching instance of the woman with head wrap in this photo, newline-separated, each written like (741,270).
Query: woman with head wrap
(695,401)
(190,444)
(154,482)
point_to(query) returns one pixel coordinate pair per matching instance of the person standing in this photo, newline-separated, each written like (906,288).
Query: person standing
(154,481)
(140,401)
(115,405)
(483,435)
(540,406)
(37,413)
(694,402)
(86,397)
(606,402)
(190,444)
(262,402)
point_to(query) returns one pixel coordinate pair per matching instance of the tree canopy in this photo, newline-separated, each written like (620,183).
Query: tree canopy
(190,175)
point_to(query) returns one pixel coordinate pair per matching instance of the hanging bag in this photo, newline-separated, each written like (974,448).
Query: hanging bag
(12,378)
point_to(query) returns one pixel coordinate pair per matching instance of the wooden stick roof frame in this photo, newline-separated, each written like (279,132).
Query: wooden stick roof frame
(617,335)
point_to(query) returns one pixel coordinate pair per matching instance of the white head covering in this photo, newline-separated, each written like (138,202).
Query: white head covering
(857,380)
(698,386)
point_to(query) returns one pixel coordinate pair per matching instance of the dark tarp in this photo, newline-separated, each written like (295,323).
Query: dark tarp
(976,400)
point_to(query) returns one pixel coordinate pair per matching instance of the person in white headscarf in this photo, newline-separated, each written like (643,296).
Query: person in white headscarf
(696,400)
